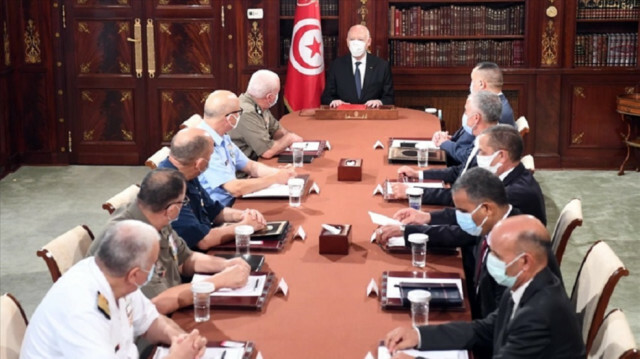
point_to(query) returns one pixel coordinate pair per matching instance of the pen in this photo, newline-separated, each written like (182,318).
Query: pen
(224,352)
(256,285)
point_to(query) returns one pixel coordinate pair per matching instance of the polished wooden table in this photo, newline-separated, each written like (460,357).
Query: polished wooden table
(327,314)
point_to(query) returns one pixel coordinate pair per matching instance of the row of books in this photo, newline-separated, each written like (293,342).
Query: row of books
(456,20)
(329,46)
(456,53)
(616,14)
(606,49)
(609,4)
(327,7)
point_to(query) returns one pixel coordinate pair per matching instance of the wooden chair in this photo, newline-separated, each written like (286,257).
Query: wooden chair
(528,163)
(192,121)
(523,125)
(13,325)
(569,219)
(65,250)
(121,199)
(614,339)
(598,275)
(155,159)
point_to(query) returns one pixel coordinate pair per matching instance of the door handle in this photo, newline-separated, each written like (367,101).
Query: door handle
(137,33)
(151,50)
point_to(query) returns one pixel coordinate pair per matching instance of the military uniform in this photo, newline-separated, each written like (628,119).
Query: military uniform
(173,252)
(80,318)
(255,131)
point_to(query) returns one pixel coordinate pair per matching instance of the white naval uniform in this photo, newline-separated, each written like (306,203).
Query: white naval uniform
(69,324)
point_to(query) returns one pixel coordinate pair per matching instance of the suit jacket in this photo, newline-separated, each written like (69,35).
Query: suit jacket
(459,146)
(341,83)
(524,193)
(544,326)
(442,196)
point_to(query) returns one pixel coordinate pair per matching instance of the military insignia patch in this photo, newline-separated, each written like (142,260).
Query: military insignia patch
(103,306)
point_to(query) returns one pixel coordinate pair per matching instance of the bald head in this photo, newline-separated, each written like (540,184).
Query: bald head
(359,32)
(191,144)
(519,234)
(219,103)
(262,83)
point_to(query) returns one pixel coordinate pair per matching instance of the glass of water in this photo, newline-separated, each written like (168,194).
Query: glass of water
(243,239)
(418,243)
(419,300)
(297,149)
(423,154)
(295,191)
(201,296)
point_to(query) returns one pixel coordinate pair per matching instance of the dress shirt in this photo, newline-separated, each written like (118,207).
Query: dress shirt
(516,295)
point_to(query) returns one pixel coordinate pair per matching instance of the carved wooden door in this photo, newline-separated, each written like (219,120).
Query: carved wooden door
(136,69)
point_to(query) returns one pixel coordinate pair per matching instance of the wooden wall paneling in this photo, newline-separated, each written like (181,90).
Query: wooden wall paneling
(58,21)
(8,145)
(547,119)
(34,83)
(551,32)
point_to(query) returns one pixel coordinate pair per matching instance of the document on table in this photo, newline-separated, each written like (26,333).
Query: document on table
(393,284)
(253,288)
(275,190)
(383,220)
(396,242)
(307,146)
(210,353)
(399,142)
(416,184)
(383,353)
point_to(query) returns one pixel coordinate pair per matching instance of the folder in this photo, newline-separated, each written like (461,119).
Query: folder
(441,282)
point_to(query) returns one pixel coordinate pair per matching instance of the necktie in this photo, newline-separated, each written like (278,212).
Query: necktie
(358,79)
(484,248)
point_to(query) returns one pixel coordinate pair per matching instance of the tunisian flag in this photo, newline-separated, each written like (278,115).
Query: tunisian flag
(305,74)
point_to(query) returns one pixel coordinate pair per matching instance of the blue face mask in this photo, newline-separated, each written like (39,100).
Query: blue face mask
(466,127)
(498,270)
(149,276)
(465,221)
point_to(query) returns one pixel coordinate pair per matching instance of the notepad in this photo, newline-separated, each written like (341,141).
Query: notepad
(210,353)
(383,353)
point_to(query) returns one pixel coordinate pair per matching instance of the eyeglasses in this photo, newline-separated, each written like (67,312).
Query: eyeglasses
(184,202)
(239,112)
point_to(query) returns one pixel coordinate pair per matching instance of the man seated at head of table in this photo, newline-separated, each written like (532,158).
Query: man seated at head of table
(483,110)
(499,151)
(200,218)
(259,134)
(161,196)
(222,113)
(95,309)
(534,318)
(360,77)
(485,76)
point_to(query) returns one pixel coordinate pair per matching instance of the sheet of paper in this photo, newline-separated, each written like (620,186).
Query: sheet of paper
(275,190)
(253,288)
(396,242)
(307,146)
(383,353)
(394,292)
(210,353)
(382,220)
(416,184)
(397,142)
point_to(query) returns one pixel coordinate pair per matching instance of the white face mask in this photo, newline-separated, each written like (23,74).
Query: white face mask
(236,117)
(274,101)
(471,87)
(485,162)
(357,47)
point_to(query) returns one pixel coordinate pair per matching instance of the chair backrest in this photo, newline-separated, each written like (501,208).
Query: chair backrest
(13,325)
(528,163)
(598,275)
(569,219)
(614,338)
(155,159)
(523,125)
(192,121)
(122,198)
(65,250)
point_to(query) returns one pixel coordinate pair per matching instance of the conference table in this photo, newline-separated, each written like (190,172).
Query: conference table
(327,313)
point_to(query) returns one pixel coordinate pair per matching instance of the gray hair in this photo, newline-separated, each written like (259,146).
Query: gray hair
(188,152)
(261,83)
(126,245)
(488,104)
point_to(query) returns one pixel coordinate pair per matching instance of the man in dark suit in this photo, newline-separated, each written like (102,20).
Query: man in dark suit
(483,111)
(534,319)
(485,76)
(359,78)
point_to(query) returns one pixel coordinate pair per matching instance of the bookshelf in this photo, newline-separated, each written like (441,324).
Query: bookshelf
(606,33)
(456,33)
(329,12)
